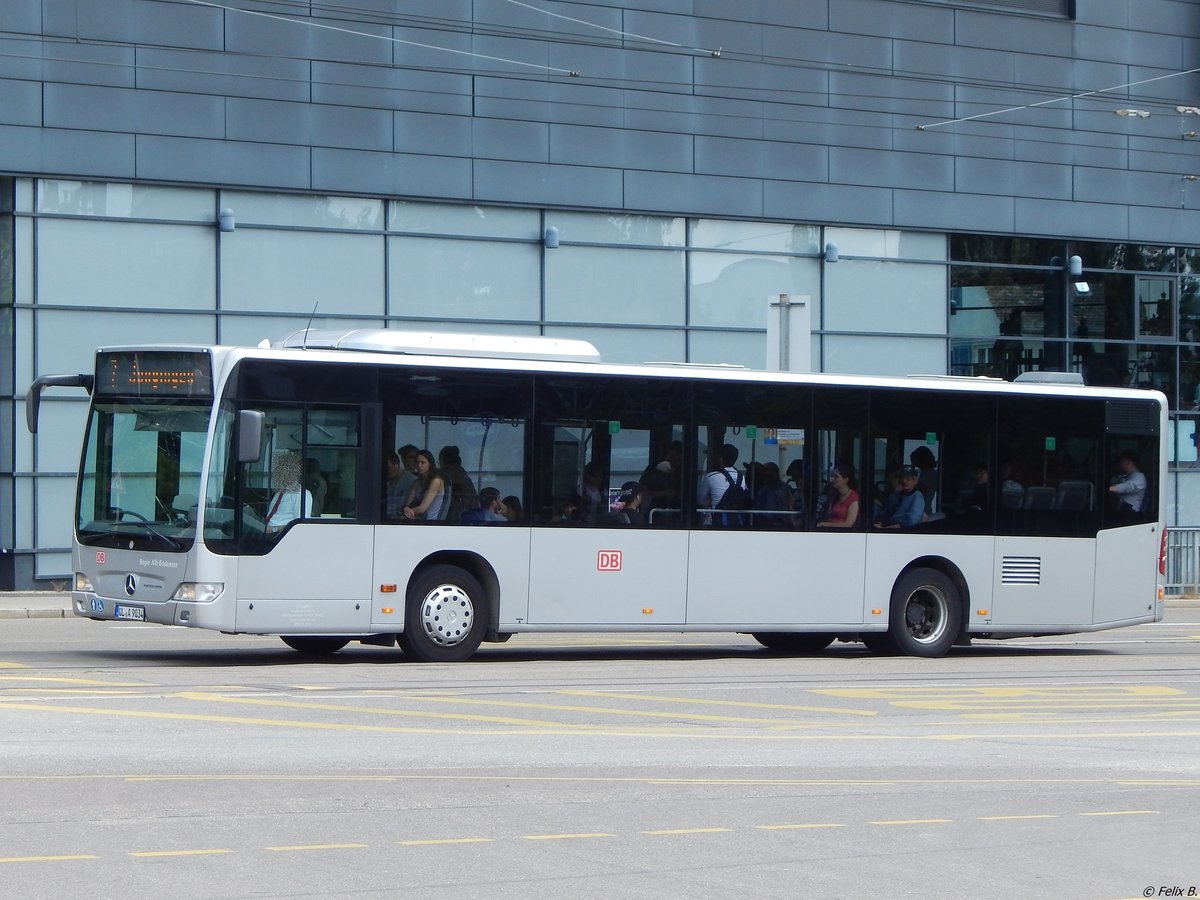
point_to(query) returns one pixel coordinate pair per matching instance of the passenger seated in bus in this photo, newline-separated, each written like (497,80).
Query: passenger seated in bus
(794,478)
(979,497)
(290,500)
(770,493)
(490,509)
(905,506)
(1130,484)
(512,508)
(424,502)
(627,509)
(1012,491)
(408,462)
(842,511)
(922,459)
(661,484)
(463,497)
(593,500)
(396,487)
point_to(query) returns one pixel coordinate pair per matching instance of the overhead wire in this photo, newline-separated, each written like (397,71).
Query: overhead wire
(773,111)
(795,63)
(1119,87)
(366,34)
(768,98)
(617,31)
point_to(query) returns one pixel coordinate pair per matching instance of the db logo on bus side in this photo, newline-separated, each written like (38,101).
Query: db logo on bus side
(608,561)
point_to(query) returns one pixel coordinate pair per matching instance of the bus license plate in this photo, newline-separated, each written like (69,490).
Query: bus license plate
(136,613)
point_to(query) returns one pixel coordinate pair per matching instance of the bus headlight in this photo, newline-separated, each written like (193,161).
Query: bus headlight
(198,591)
(83,583)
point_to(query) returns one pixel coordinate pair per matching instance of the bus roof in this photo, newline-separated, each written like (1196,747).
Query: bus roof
(567,356)
(433,343)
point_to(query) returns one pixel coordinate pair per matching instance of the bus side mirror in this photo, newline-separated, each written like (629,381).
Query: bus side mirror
(33,398)
(250,435)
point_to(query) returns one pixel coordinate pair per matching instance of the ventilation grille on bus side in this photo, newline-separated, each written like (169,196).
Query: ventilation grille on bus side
(1021,570)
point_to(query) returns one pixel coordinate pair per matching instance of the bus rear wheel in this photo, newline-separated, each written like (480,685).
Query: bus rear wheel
(797,642)
(926,613)
(311,645)
(445,615)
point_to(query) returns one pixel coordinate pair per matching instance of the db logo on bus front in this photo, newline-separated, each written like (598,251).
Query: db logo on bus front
(100,557)
(608,560)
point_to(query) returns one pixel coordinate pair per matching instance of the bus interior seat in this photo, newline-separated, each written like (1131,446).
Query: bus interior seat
(1040,497)
(1074,495)
(1012,497)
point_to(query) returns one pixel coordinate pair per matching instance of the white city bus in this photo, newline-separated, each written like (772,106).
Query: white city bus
(187,452)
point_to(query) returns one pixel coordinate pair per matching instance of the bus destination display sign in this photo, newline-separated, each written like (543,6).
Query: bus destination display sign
(154,374)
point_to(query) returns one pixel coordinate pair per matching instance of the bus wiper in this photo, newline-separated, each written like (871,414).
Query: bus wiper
(169,541)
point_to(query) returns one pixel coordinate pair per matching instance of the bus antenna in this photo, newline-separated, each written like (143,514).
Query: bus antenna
(308,327)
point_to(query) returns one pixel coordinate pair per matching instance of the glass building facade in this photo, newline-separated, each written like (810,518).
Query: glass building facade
(89,263)
(1009,185)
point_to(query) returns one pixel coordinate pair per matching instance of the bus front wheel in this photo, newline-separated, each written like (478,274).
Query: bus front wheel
(445,615)
(926,614)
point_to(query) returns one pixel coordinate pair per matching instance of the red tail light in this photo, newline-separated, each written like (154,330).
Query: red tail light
(1162,554)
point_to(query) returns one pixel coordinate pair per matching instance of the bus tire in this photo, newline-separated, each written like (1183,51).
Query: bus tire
(926,613)
(314,645)
(445,615)
(795,642)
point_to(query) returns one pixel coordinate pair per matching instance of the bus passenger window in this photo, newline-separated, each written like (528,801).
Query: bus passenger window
(471,424)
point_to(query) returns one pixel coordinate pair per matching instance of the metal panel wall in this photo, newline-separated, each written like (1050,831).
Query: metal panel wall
(794,110)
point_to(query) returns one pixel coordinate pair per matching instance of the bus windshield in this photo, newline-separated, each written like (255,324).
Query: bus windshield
(140,476)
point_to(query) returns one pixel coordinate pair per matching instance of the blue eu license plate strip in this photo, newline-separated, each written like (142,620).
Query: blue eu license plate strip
(134,613)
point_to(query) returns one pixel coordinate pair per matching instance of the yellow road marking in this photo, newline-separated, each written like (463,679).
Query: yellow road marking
(16,693)
(1051,691)
(23,859)
(150,853)
(1036,706)
(673,715)
(797,825)
(378,711)
(13,665)
(913,822)
(567,837)
(1049,717)
(89,681)
(703,702)
(664,831)
(426,843)
(581,730)
(227,720)
(304,847)
(1124,812)
(1013,818)
(605,779)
